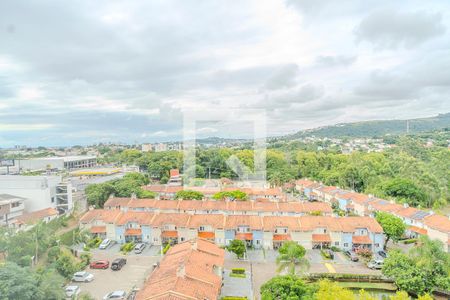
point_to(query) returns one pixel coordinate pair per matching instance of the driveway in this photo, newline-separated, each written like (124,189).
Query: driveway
(237,287)
(133,274)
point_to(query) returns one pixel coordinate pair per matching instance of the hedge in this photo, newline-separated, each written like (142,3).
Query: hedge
(166,248)
(237,275)
(238,270)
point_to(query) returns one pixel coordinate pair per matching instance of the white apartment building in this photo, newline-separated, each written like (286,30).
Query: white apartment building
(40,191)
(11,207)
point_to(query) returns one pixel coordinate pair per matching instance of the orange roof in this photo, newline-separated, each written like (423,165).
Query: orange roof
(98,229)
(216,221)
(233,221)
(107,216)
(116,202)
(309,223)
(361,239)
(36,216)
(167,204)
(179,220)
(438,222)
(304,182)
(174,172)
(385,205)
(186,272)
(133,231)
(169,234)
(272,222)
(244,236)
(418,230)
(206,235)
(281,237)
(142,203)
(321,238)
(350,224)
(140,217)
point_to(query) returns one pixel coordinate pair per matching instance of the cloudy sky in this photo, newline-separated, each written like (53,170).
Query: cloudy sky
(80,72)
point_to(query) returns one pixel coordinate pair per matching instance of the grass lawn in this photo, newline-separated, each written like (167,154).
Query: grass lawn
(369,285)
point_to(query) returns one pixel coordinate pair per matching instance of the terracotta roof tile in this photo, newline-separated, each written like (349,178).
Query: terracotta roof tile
(36,216)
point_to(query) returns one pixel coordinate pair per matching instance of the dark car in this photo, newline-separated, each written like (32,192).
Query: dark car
(352,255)
(330,253)
(382,253)
(118,263)
(99,264)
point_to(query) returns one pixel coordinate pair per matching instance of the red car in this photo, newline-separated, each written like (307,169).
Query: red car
(99,264)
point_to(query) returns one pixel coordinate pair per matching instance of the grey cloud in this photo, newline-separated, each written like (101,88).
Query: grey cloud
(335,61)
(393,29)
(283,77)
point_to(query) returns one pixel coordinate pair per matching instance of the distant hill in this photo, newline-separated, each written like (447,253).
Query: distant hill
(377,128)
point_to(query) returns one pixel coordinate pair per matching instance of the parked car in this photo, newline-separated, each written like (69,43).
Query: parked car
(330,253)
(72,291)
(105,244)
(99,264)
(116,295)
(383,254)
(118,263)
(139,248)
(352,255)
(82,276)
(375,264)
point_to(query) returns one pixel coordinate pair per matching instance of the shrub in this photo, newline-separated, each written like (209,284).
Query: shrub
(166,248)
(365,253)
(409,241)
(237,275)
(94,243)
(325,254)
(238,270)
(127,247)
(335,249)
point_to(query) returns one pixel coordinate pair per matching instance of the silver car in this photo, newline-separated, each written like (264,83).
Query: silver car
(116,295)
(105,244)
(375,264)
(139,248)
(82,276)
(72,291)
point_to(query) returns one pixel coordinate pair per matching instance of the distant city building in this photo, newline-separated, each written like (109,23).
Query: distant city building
(146,147)
(40,191)
(160,147)
(59,163)
(11,207)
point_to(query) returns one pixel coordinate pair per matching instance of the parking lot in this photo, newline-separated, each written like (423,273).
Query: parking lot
(262,265)
(133,274)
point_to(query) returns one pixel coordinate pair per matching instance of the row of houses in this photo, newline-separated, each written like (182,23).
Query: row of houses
(419,222)
(168,191)
(268,232)
(259,208)
(190,270)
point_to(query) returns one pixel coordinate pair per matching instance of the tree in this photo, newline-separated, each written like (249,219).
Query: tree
(329,290)
(405,189)
(291,255)
(237,247)
(17,283)
(66,264)
(47,279)
(286,287)
(393,226)
(400,295)
(234,195)
(422,269)
(189,195)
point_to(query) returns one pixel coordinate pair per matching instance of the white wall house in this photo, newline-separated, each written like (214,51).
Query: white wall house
(41,191)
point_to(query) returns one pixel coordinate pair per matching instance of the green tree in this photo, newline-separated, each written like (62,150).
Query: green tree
(287,287)
(237,247)
(329,290)
(393,226)
(290,256)
(234,195)
(48,282)
(17,283)
(66,264)
(189,195)
(406,190)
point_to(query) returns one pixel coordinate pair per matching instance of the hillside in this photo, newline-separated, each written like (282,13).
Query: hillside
(377,128)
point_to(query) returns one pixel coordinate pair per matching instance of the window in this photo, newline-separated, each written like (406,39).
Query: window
(155,239)
(202,228)
(182,239)
(336,243)
(258,242)
(377,245)
(345,244)
(53,199)
(15,204)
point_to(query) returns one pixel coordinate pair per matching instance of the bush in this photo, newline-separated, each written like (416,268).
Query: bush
(335,249)
(238,270)
(127,247)
(409,241)
(237,275)
(85,260)
(325,254)
(166,248)
(94,243)
(365,253)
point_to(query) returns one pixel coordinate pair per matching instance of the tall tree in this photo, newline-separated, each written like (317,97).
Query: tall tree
(393,226)
(290,256)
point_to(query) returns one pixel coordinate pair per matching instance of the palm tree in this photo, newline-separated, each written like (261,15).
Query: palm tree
(290,256)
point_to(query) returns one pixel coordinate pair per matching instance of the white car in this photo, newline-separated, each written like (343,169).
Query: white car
(72,290)
(375,264)
(116,295)
(105,244)
(82,277)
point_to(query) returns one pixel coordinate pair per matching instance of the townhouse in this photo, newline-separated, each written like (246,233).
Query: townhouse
(268,232)
(438,227)
(190,270)
(257,208)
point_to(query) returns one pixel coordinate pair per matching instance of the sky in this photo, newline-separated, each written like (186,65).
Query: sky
(84,72)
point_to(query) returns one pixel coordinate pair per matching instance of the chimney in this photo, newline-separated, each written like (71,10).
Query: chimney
(133,196)
(181,271)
